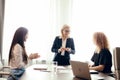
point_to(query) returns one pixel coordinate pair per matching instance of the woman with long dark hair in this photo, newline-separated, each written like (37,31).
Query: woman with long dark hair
(18,57)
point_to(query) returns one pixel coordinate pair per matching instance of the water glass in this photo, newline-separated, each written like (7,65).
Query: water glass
(54,66)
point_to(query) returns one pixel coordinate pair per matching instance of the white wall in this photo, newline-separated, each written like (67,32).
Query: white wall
(34,15)
(89,16)
(45,18)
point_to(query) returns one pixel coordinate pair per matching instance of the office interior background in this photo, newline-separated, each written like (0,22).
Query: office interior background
(44,19)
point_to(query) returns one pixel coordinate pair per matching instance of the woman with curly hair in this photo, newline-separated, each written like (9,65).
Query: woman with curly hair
(102,57)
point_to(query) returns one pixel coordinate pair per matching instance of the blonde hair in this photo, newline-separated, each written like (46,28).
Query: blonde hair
(101,40)
(63,28)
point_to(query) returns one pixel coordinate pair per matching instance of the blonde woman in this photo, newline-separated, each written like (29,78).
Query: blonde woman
(102,57)
(63,46)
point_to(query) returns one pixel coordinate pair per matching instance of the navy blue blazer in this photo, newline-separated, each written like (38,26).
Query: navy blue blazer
(63,60)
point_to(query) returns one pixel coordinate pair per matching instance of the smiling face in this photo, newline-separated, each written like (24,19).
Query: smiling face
(65,31)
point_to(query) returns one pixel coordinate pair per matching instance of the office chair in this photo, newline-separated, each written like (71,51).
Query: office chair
(3,73)
(116,57)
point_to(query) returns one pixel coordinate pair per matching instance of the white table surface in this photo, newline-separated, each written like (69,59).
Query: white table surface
(62,74)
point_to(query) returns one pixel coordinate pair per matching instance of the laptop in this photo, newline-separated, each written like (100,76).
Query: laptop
(80,70)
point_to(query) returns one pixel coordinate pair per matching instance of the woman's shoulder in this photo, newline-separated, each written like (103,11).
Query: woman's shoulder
(17,49)
(17,46)
(70,38)
(104,49)
(58,37)
(107,51)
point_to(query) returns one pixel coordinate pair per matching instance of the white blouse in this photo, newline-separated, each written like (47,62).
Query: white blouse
(63,45)
(17,58)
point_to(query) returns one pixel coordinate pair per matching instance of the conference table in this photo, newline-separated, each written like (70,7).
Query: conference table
(63,73)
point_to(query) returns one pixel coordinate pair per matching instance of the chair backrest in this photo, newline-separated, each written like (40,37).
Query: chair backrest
(1,65)
(116,57)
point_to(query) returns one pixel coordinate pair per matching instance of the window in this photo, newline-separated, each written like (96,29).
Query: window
(44,19)
(89,16)
(34,15)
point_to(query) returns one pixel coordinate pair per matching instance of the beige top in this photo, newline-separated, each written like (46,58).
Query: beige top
(17,59)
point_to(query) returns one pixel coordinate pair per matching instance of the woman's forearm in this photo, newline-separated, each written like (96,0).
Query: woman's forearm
(97,68)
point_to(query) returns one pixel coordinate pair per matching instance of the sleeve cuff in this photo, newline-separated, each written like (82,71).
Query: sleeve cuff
(58,50)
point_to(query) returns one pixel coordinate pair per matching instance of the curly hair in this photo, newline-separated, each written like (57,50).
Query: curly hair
(101,40)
